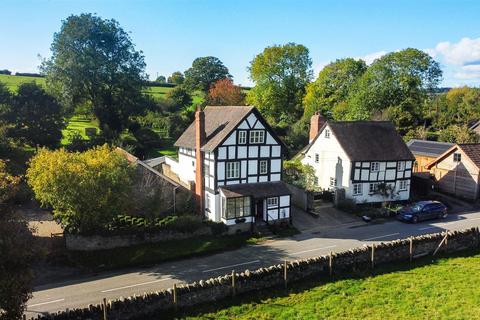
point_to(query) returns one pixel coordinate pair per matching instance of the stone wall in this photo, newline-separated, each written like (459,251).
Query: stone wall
(98,242)
(341,263)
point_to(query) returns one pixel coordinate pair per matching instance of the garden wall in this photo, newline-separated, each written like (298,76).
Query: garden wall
(98,242)
(341,263)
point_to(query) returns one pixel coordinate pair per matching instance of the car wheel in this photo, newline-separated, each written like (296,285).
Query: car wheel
(414,219)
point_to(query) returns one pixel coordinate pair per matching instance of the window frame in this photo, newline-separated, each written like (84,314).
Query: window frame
(327,134)
(232,170)
(401,166)
(357,192)
(317,158)
(260,166)
(457,157)
(245,210)
(374,166)
(242,136)
(403,182)
(375,187)
(274,205)
(255,139)
(334,184)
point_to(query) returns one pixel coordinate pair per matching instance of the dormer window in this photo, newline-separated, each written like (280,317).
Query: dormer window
(257,136)
(327,134)
(457,157)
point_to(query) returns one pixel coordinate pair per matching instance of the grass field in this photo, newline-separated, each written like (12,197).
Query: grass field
(12,82)
(78,124)
(443,289)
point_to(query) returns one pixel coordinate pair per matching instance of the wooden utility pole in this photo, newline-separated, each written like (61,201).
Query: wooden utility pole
(233,283)
(285,268)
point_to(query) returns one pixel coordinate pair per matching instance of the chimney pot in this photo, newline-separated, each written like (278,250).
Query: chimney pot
(316,123)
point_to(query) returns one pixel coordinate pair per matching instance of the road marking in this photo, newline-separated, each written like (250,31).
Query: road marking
(43,303)
(135,285)
(379,237)
(230,266)
(305,251)
(426,228)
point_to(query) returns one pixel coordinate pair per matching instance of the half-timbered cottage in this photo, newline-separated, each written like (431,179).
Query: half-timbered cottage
(368,159)
(233,160)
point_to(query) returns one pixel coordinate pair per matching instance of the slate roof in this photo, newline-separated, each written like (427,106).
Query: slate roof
(219,122)
(258,190)
(428,148)
(369,140)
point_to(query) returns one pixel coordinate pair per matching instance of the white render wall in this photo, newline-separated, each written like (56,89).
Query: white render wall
(333,161)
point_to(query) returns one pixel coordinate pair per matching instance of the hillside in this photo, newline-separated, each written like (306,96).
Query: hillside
(444,289)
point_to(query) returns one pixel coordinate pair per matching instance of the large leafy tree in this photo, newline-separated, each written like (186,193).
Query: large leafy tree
(332,86)
(225,93)
(179,98)
(204,72)
(35,117)
(396,86)
(176,78)
(86,190)
(280,74)
(94,60)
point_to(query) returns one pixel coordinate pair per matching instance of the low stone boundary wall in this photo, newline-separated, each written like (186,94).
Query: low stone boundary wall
(97,242)
(341,263)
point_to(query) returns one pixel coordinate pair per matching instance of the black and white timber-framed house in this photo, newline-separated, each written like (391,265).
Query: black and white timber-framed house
(239,182)
(368,159)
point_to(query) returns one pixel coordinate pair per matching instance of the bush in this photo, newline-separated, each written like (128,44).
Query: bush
(27,74)
(147,138)
(90,131)
(5,71)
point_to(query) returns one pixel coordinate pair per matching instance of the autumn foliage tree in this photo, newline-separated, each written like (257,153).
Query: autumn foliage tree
(225,93)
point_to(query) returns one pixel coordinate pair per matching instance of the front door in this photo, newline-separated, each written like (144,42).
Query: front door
(259,210)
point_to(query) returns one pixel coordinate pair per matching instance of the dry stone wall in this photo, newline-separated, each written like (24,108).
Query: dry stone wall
(341,263)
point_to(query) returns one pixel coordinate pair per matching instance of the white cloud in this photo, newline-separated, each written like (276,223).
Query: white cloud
(369,58)
(464,52)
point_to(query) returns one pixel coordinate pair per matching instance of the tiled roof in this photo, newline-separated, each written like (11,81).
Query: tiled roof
(472,150)
(258,190)
(219,122)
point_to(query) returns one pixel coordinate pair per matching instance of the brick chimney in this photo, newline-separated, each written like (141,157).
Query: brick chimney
(200,137)
(316,123)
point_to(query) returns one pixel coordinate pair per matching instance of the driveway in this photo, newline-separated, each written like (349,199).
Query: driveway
(327,217)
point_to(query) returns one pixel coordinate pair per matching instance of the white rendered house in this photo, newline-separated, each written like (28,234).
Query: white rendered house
(362,157)
(234,160)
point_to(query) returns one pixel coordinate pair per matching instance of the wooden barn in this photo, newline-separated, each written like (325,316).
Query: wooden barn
(425,152)
(457,170)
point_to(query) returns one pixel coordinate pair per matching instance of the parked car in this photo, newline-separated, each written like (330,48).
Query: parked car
(423,210)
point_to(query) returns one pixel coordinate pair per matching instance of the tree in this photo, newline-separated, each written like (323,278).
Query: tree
(225,93)
(18,252)
(94,60)
(398,83)
(161,79)
(300,175)
(36,117)
(458,134)
(280,74)
(204,72)
(86,190)
(332,87)
(176,78)
(180,98)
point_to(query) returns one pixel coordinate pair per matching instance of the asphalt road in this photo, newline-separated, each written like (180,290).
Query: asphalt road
(315,242)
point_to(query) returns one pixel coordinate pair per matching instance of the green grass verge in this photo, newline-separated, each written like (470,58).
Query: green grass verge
(440,289)
(148,254)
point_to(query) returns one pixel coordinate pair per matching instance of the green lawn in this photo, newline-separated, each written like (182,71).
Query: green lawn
(442,289)
(148,254)
(78,124)
(12,82)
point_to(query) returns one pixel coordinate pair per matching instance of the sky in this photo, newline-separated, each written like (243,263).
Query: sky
(172,33)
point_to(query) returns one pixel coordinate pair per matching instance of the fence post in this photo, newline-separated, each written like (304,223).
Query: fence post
(373,256)
(175,296)
(330,263)
(285,273)
(411,248)
(233,283)
(104,309)
(24,317)
(446,238)
(478,236)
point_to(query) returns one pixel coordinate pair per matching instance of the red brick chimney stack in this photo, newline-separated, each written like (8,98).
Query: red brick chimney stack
(316,123)
(200,137)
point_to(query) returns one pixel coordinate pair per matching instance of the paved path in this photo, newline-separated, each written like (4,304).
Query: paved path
(315,242)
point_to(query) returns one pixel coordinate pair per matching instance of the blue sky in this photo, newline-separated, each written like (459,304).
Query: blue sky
(173,33)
